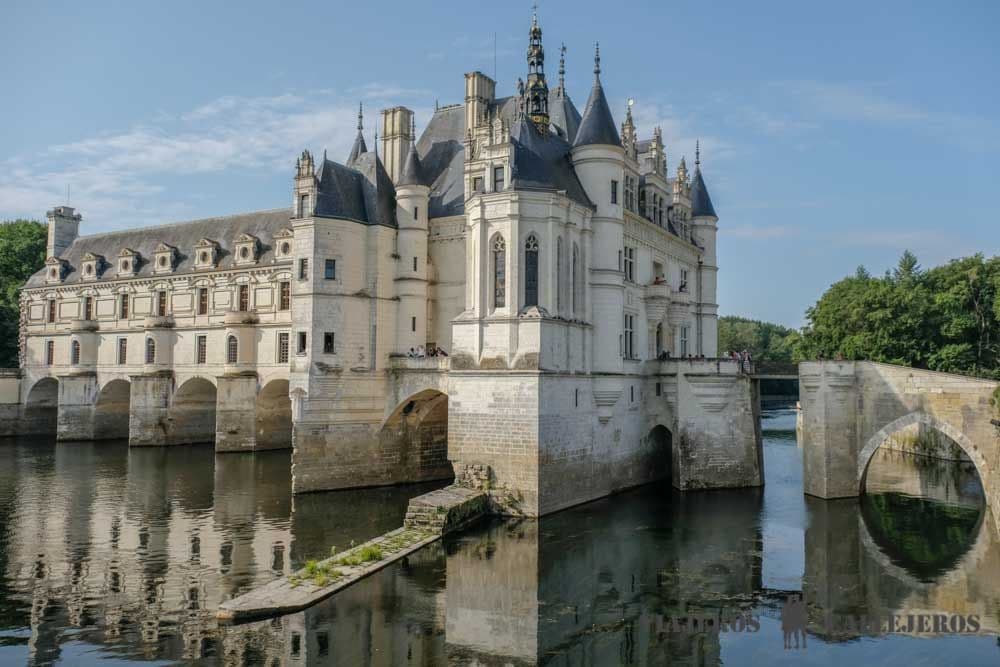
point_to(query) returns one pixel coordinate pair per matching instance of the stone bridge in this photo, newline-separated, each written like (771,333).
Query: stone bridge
(850,408)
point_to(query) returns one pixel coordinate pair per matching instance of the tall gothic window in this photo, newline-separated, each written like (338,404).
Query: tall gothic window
(232,350)
(499,272)
(560,281)
(576,280)
(531,271)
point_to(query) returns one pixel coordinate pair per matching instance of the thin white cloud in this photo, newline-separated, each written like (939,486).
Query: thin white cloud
(759,232)
(118,177)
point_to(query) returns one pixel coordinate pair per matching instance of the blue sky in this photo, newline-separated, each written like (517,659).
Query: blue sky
(833,134)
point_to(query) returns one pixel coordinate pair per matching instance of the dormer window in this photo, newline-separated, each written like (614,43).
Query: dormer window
(128,263)
(91,266)
(247,247)
(54,270)
(283,244)
(206,253)
(164,258)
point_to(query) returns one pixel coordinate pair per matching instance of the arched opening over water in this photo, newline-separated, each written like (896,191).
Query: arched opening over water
(274,416)
(111,411)
(660,444)
(192,412)
(418,429)
(41,407)
(923,500)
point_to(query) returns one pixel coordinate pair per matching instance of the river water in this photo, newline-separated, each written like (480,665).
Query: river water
(111,555)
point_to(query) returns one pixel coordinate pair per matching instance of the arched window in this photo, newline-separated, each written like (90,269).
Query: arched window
(577,305)
(531,271)
(499,272)
(74,352)
(232,350)
(560,281)
(150,351)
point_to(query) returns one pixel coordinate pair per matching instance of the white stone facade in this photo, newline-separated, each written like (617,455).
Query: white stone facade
(553,260)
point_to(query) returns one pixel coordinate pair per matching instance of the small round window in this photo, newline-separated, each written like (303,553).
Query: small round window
(88,269)
(124,266)
(285,248)
(163,260)
(52,273)
(204,257)
(244,252)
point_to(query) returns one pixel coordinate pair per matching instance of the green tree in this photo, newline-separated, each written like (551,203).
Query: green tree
(22,253)
(766,341)
(944,318)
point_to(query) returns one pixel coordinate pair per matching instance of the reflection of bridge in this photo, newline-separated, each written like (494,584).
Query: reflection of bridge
(850,408)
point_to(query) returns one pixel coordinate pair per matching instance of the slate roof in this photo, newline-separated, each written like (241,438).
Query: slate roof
(412,173)
(563,114)
(442,158)
(181,235)
(358,149)
(543,163)
(701,203)
(597,125)
(362,192)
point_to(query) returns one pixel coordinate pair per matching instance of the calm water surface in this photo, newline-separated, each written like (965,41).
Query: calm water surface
(116,555)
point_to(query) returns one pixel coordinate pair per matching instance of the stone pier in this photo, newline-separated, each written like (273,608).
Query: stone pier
(149,410)
(236,415)
(77,400)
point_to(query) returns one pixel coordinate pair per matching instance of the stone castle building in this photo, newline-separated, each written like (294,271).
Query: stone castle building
(550,253)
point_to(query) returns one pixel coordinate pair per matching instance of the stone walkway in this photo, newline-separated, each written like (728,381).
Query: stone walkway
(428,517)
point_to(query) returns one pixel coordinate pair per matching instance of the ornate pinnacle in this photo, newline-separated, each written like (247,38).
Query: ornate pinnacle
(697,154)
(597,59)
(360,115)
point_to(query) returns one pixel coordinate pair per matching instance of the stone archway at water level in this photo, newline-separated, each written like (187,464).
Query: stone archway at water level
(273,416)
(112,410)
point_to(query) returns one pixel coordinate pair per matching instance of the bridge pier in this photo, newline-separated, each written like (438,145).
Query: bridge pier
(236,414)
(149,410)
(75,414)
(829,398)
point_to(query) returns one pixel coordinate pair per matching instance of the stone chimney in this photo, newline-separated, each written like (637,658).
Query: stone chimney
(64,227)
(480,91)
(396,140)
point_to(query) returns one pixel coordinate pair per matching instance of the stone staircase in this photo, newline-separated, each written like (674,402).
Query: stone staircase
(446,509)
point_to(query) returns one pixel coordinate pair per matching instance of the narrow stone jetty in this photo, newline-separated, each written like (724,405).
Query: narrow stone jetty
(428,517)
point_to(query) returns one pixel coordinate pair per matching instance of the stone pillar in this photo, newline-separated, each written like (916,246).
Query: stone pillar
(149,408)
(236,414)
(833,585)
(77,397)
(10,401)
(829,398)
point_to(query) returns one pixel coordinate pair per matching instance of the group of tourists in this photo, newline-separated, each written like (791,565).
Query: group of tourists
(419,352)
(744,359)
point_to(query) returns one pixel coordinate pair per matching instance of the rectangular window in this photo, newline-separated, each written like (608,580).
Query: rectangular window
(413,324)
(284,296)
(329,343)
(614,191)
(52,310)
(244,296)
(416,212)
(414,263)
(684,280)
(658,390)
(301,347)
(576,398)
(122,351)
(150,351)
(303,269)
(161,303)
(631,394)
(201,349)
(629,336)
(88,308)
(123,307)
(497,179)
(50,352)
(74,353)
(330,269)
(629,264)
(203,301)
(283,347)
(477,183)
(303,206)
(684,341)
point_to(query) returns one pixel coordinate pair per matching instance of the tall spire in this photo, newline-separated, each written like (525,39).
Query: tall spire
(598,125)
(697,154)
(411,174)
(536,88)
(562,69)
(359,147)
(701,203)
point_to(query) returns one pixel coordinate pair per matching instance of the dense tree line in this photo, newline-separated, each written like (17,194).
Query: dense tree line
(22,253)
(765,341)
(946,318)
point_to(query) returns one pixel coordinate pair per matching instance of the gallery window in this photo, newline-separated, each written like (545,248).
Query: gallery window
(499,272)
(201,349)
(123,307)
(283,347)
(122,351)
(244,298)
(52,310)
(150,351)
(203,301)
(50,352)
(88,308)
(161,303)
(232,350)
(284,296)
(74,352)
(329,343)
(531,271)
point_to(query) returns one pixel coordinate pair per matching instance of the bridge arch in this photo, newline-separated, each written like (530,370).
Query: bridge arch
(921,417)
(111,410)
(41,406)
(660,447)
(192,412)
(416,432)
(273,416)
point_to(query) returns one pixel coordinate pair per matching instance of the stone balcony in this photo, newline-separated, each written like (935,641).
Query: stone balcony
(81,325)
(657,298)
(158,322)
(400,362)
(680,307)
(241,317)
